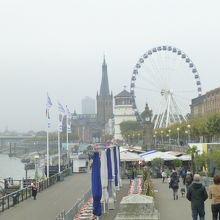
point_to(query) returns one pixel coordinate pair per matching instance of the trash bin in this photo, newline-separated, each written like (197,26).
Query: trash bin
(15,198)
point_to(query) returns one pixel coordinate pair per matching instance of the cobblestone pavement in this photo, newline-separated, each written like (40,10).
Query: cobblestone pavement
(52,201)
(171,209)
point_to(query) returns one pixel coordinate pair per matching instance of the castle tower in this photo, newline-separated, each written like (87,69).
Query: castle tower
(123,111)
(104,98)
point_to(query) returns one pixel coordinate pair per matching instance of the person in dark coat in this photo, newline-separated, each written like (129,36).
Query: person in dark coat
(34,190)
(174,184)
(197,195)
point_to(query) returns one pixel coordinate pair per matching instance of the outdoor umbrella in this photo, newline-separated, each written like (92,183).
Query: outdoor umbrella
(104,178)
(113,173)
(116,166)
(96,185)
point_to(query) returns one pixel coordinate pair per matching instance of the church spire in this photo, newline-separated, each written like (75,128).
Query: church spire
(104,89)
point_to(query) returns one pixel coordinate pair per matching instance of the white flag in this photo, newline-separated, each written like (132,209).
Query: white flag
(61,115)
(48,106)
(68,118)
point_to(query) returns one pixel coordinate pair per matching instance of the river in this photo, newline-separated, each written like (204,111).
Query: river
(13,167)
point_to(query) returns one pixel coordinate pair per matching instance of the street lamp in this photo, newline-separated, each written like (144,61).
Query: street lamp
(129,139)
(154,139)
(36,157)
(169,135)
(155,134)
(187,134)
(178,136)
(189,126)
(161,136)
(138,137)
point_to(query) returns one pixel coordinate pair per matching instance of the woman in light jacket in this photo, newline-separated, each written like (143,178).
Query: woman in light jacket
(214,194)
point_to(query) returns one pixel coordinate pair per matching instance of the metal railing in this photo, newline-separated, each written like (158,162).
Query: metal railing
(69,215)
(18,196)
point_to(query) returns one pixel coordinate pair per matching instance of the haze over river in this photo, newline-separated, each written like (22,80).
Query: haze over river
(13,167)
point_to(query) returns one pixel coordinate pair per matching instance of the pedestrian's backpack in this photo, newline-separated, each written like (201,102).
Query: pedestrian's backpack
(175,183)
(188,179)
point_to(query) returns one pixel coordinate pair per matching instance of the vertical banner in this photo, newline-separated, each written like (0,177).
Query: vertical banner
(68,121)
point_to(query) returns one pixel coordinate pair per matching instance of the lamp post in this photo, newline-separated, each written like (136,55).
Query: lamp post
(178,136)
(187,135)
(155,138)
(189,138)
(129,139)
(138,137)
(36,157)
(161,137)
(169,135)
(133,139)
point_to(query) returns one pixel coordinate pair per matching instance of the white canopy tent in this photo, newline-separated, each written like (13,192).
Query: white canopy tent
(157,154)
(129,156)
(185,157)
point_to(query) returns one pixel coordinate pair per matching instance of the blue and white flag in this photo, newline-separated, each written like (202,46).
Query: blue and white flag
(62,113)
(48,106)
(68,120)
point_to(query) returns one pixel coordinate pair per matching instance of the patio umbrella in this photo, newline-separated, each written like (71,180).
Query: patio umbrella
(110,180)
(116,166)
(113,172)
(119,160)
(96,185)
(109,164)
(104,178)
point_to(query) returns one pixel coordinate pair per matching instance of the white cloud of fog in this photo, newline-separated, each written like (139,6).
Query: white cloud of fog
(57,46)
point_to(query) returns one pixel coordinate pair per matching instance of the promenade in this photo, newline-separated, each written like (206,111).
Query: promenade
(52,201)
(171,209)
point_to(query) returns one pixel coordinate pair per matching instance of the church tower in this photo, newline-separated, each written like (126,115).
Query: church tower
(104,98)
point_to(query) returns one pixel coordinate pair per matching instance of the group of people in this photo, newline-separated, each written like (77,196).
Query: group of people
(196,193)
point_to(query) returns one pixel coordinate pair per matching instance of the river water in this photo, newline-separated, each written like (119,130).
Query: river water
(13,167)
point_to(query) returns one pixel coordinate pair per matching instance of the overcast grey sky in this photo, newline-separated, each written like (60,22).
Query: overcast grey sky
(57,47)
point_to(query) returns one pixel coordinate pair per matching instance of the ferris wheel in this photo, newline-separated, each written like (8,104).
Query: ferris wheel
(167,79)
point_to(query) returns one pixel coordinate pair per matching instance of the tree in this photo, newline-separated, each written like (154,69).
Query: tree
(157,163)
(129,126)
(215,157)
(201,161)
(177,163)
(192,151)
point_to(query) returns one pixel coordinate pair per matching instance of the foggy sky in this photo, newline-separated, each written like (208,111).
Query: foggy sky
(57,47)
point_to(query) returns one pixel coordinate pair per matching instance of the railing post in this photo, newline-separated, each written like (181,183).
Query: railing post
(8,201)
(3,204)
(22,195)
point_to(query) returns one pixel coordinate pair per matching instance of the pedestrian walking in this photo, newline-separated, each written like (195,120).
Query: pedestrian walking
(164,175)
(197,195)
(188,180)
(34,190)
(214,194)
(174,184)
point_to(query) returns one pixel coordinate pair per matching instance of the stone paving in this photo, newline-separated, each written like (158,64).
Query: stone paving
(171,209)
(52,201)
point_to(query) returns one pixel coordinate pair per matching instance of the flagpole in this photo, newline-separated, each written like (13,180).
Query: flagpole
(67,138)
(59,150)
(47,152)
